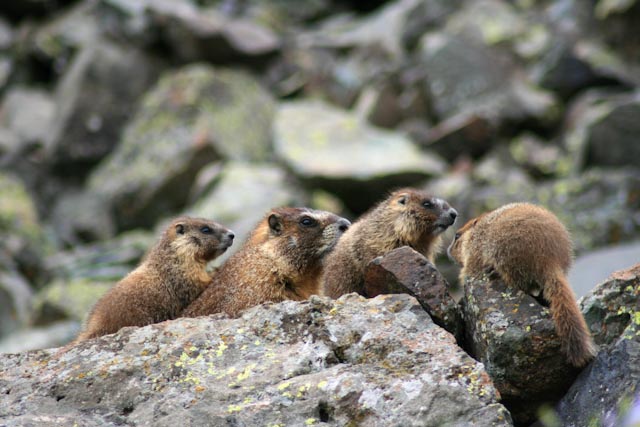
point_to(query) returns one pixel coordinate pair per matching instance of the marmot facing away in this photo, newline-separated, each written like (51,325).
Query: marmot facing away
(171,275)
(281,260)
(408,217)
(531,250)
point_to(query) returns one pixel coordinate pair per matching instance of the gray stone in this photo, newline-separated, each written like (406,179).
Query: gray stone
(594,267)
(93,101)
(602,130)
(339,152)
(80,217)
(515,338)
(372,362)
(6,66)
(463,134)
(193,116)
(404,270)
(536,156)
(613,306)
(53,335)
(16,297)
(28,113)
(6,35)
(243,194)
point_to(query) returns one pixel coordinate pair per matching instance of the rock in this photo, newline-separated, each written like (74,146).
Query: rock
(191,33)
(335,150)
(191,118)
(23,241)
(596,266)
(6,66)
(28,113)
(82,217)
(606,392)
(404,270)
(601,131)
(243,194)
(464,134)
(426,16)
(69,299)
(373,362)
(94,99)
(55,335)
(536,156)
(613,306)
(16,297)
(467,76)
(514,337)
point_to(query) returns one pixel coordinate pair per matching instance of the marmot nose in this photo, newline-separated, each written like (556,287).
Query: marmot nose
(230,235)
(343,225)
(453,214)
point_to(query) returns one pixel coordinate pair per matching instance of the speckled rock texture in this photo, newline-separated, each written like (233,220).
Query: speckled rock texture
(514,336)
(354,361)
(606,390)
(404,270)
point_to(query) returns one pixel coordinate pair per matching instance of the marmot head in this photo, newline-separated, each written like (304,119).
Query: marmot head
(198,238)
(455,251)
(417,215)
(299,234)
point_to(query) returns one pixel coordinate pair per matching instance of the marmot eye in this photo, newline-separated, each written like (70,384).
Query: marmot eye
(308,221)
(206,230)
(456,236)
(402,200)
(427,204)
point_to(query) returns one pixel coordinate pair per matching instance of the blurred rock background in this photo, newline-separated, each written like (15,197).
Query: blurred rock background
(116,115)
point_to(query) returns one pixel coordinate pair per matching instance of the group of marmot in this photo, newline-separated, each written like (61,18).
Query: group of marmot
(294,253)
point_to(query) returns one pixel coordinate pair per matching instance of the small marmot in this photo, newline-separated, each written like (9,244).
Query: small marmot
(408,217)
(170,276)
(530,249)
(281,260)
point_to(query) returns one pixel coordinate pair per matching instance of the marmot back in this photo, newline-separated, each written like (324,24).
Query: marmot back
(532,251)
(408,217)
(171,275)
(281,260)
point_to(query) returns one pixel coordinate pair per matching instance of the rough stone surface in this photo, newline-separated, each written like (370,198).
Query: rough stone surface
(94,99)
(192,117)
(248,192)
(371,362)
(514,337)
(613,305)
(404,270)
(320,142)
(602,131)
(28,113)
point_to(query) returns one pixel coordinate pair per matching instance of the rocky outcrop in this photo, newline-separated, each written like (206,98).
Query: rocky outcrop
(380,361)
(606,393)
(514,337)
(404,270)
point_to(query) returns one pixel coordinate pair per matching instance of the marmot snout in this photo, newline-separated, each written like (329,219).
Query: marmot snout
(281,260)
(531,250)
(408,217)
(171,275)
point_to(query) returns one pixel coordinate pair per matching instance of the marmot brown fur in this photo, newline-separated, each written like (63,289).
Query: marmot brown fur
(408,217)
(530,249)
(171,275)
(281,260)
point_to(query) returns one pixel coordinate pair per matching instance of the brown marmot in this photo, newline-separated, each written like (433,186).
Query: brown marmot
(408,217)
(281,260)
(530,249)
(171,275)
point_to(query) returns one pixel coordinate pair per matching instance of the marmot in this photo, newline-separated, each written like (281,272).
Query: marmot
(408,217)
(281,260)
(171,275)
(530,249)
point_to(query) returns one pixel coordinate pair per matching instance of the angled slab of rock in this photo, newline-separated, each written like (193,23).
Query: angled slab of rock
(338,151)
(94,99)
(514,336)
(192,117)
(606,388)
(404,270)
(613,305)
(368,362)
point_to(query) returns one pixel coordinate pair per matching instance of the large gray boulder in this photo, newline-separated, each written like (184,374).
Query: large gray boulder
(192,117)
(515,338)
(336,150)
(28,114)
(608,388)
(372,362)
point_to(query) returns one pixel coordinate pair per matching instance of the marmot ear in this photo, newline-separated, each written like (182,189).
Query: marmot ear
(180,228)
(275,223)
